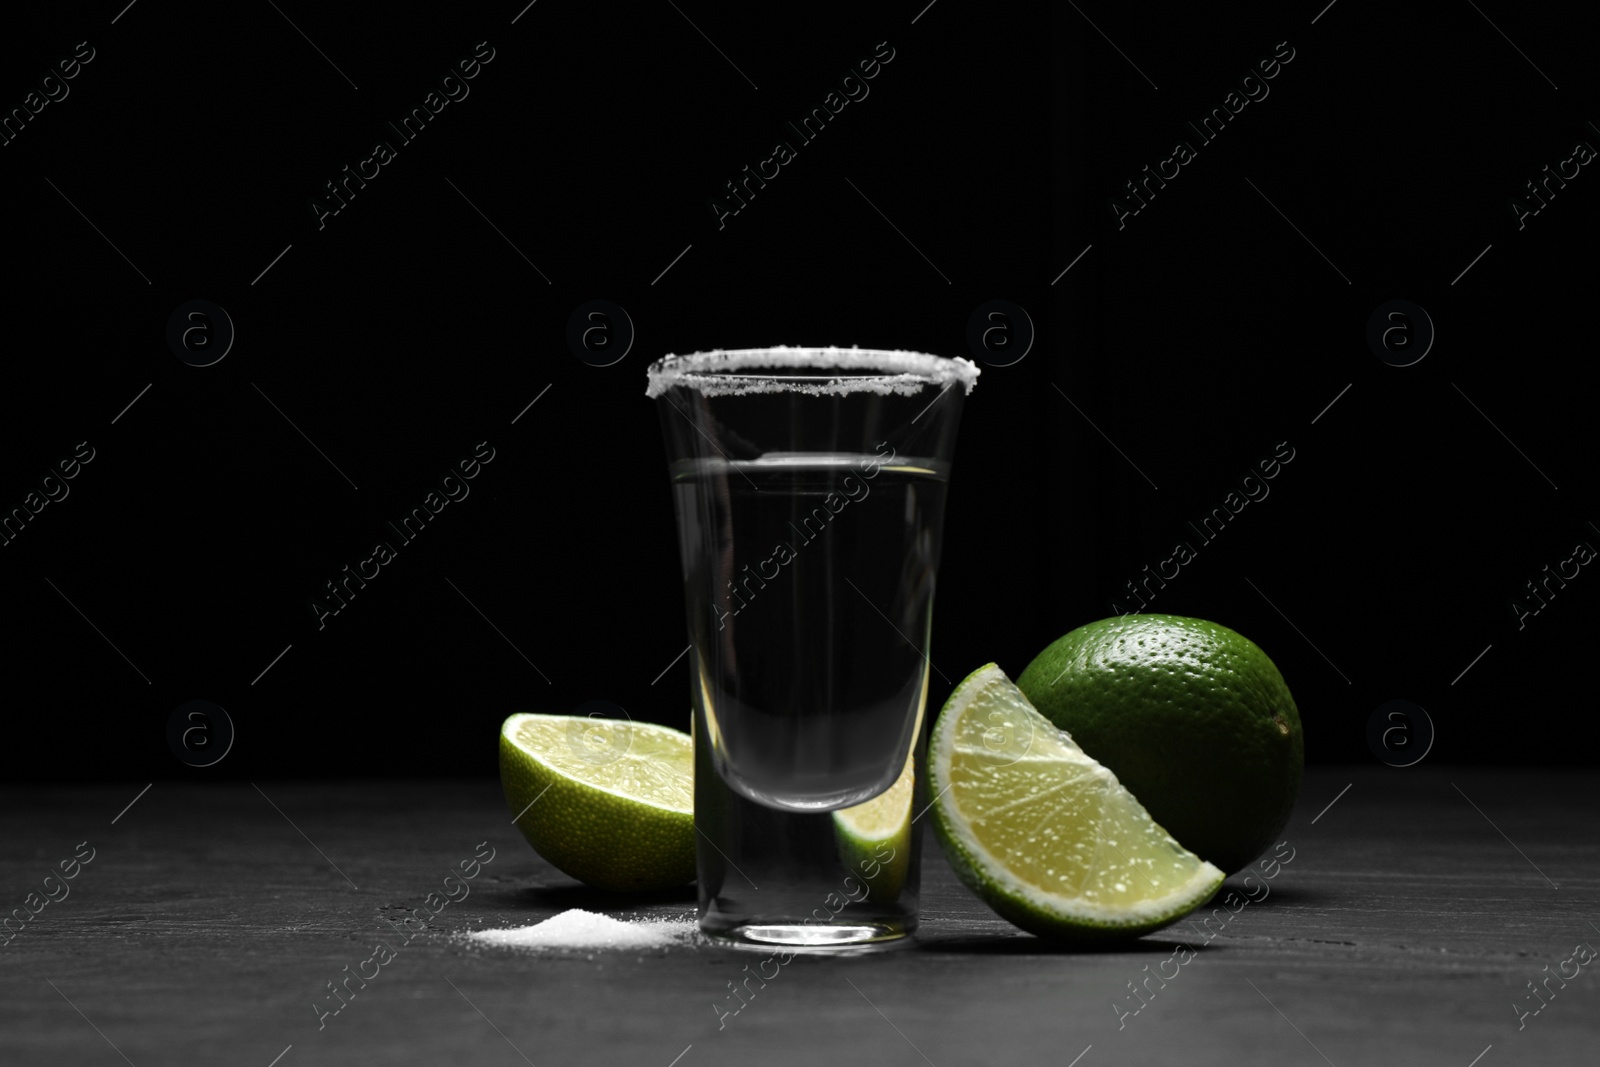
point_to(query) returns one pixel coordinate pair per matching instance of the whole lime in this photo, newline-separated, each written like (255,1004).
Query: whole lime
(1191,717)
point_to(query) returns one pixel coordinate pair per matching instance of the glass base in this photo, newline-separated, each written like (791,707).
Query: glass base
(776,878)
(806,935)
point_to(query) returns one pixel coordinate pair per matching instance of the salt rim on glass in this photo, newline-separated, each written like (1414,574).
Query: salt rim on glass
(902,373)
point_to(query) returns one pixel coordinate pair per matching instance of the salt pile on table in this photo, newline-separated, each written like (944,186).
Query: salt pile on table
(579,929)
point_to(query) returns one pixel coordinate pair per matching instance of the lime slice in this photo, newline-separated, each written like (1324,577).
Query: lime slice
(1045,835)
(875,837)
(607,801)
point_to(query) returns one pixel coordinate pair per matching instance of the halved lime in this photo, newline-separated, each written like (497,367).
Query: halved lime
(609,802)
(1045,835)
(875,837)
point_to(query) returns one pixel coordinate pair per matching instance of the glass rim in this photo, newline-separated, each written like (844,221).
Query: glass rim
(719,372)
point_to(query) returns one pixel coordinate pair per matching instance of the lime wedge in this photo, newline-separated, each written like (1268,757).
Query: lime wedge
(875,837)
(607,801)
(1041,832)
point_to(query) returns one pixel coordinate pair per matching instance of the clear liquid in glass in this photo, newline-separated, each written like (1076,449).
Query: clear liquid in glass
(809,581)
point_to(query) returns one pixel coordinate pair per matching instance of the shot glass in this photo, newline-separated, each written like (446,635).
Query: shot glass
(809,486)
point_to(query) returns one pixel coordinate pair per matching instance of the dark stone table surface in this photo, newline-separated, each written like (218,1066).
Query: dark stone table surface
(1418,906)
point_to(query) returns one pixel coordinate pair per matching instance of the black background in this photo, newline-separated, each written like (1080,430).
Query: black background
(414,324)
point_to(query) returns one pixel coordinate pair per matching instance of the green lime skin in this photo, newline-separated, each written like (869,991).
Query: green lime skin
(1191,716)
(607,840)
